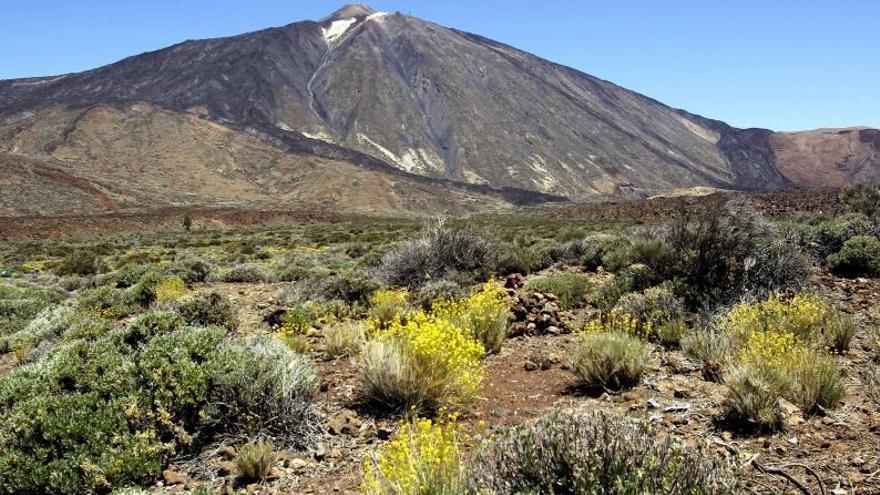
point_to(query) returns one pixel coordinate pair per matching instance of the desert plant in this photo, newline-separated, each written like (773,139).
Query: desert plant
(441,252)
(244,274)
(206,309)
(597,453)
(255,459)
(421,364)
(659,313)
(344,339)
(483,314)
(80,262)
(386,307)
(712,348)
(859,256)
(610,360)
(833,233)
(751,400)
(424,456)
(570,288)
(190,270)
(439,289)
(352,286)
(170,289)
(863,198)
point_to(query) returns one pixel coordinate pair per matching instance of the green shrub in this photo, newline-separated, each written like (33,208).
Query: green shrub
(515,258)
(439,289)
(635,278)
(353,286)
(859,256)
(208,308)
(711,348)
(751,399)
(191,270)
(833,233)
(80,262)
(863,198)
(597,453)
(570,288)
(658,311)
(610,360)
(129,274)
(255,459)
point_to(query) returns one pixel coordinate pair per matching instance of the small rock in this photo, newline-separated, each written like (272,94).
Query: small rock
(228,452)
(226,468)
(298,464)
(172,477)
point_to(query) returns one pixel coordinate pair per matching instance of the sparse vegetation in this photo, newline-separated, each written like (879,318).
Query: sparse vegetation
(570,288)
(255,459)
(610,360)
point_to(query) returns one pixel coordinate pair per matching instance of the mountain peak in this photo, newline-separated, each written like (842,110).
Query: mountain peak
(350,10)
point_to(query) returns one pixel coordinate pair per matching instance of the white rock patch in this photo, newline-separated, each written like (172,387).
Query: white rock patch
(337,29)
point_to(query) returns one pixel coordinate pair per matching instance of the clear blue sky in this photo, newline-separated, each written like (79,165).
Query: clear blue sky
(781,64)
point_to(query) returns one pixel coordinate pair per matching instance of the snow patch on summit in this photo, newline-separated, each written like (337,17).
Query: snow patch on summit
(337,29)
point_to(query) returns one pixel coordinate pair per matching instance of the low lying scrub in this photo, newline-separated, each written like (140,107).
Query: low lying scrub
(570,288)
(598,453)
(420,365)
(858,257)
(483,315)
(610,359)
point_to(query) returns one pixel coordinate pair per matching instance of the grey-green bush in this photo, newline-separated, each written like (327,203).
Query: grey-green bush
(596,454)
(859,256)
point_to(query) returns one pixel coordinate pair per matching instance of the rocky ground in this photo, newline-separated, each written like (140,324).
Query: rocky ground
(832,454)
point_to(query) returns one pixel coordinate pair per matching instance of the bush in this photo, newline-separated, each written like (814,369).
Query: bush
(727,253)
(420,365)
(751,400)
(244,274)
(806,316)
(129,274)
(833,233)
(423,457)
(597,453)
(863,198)
(191,271)
(570,288)
(386,307)
(439,289)
(586,251)
(859,256)
(442,252)
(255,459)
(515,258)
(483,315)
(610,360)
(353,287)
(79,262)
(170,289)
(207,309)
(713,349)
(632,279)
(658,312)
(344,339)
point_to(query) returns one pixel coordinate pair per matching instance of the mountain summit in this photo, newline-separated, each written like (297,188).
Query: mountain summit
(402,103)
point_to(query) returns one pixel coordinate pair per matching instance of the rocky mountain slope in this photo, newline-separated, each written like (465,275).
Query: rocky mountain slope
(375,111)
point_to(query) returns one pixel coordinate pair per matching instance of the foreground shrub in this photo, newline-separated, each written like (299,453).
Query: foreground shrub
(386,307)
(423,457)
(570,288)
(483,315)
(712,348)
(255,459)
(775,365)
(610,360)
(598,453)
(442,252)
(420,365)
(859,256)
(111,412)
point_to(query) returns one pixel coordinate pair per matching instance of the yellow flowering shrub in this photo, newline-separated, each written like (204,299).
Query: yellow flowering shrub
(294,328)
(387,307)
(170,289)
(809,319)
(618,321)
(483,315)
(422,363)
(424,457)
